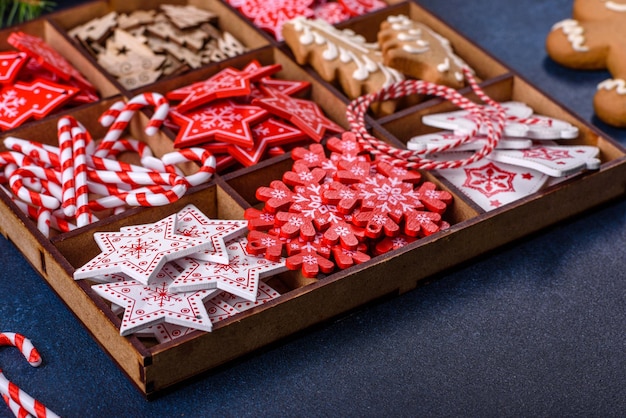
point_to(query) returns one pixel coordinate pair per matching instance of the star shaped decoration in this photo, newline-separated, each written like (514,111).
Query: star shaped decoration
(192,222)
(240,277)
(151,304)
(224,120)
(266,134)
(140,253)
(305,114)
(229,82)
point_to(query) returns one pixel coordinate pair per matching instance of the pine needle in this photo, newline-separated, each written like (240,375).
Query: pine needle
(13,12)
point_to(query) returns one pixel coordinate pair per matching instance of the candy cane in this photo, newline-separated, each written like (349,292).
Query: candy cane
(79,144)
(207,159)
(357,110)
(124,115)
(66,159)
(16,183)
(16,408)
(8,388)
(41,154)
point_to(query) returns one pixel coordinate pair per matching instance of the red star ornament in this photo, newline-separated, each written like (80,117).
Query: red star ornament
(303,113)
(229,82)
(48,57)
(140,253)
(266,134)
(151,304)
(192,222)
(224,120)
(21,101)
(10,64)
(240,277)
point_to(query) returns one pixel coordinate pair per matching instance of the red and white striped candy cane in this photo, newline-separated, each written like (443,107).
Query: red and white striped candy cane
(119,124)
(66,159)
(357,110)
(40,154)
(11,390)
(57,219)
(16,408)
(40,199)
(201,155)
(79,150)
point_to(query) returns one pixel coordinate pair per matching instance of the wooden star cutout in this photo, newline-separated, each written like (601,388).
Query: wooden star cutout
(240,277)
(305,114)
(229,82)
(266,134)
(140,253)
(224,120)
(192,222)
(151,304)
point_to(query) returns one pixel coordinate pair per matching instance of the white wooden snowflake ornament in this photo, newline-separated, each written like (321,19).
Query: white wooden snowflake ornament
(140,253)
(151,304)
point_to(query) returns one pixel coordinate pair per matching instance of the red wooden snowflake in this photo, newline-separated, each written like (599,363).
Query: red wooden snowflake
(270,15)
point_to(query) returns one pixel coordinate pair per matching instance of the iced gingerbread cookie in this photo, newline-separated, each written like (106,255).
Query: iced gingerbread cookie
(595,39)
(340,56)
(419,52)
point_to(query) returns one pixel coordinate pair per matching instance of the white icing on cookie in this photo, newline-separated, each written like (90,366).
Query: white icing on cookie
(574,33)
(346,45)
(408,33)
(616,7)
(614,83)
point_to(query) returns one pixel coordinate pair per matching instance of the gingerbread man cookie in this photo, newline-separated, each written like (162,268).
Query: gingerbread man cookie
(416,50)
(595,39)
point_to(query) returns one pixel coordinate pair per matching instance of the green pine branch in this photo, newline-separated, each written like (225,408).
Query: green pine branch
(13,12)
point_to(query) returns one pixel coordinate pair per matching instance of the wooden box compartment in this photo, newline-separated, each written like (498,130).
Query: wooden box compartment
(153,366)
(483,64)
(56,39)
(227,21)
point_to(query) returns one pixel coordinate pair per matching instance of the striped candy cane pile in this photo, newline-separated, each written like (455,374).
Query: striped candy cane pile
(490,116)
(20,402)
(63,187)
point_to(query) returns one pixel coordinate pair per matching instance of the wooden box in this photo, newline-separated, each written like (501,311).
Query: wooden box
(304,302)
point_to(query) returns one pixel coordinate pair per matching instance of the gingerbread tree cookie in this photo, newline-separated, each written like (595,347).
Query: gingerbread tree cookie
(595,39)
(340,56)
(416,50)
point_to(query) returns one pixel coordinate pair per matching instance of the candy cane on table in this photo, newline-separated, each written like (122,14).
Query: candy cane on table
(16,408)
(201,155)
(357,110)
(123,115)
(8,388)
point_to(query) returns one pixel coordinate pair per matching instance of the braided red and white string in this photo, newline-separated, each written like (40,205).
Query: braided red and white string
(490,116)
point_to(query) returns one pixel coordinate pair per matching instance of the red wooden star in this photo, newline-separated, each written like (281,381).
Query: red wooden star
(266,134)
(224,120)
(305,114)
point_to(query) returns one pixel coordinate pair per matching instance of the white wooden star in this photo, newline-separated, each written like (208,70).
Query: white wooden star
(140,252)
(240,277)
(151,304)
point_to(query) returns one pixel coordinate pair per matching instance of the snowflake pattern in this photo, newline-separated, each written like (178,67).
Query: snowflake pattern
(489,179)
